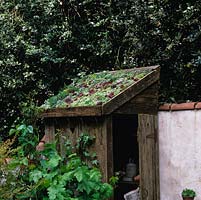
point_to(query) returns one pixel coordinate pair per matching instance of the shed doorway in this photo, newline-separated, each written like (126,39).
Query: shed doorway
(125,150)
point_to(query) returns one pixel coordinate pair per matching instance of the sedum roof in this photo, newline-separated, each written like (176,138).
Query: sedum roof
(95,89)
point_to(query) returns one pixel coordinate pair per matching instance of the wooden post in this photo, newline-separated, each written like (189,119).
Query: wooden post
(148,157)
(109,147)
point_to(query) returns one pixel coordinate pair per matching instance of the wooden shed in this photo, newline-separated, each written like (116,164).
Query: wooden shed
(123,122)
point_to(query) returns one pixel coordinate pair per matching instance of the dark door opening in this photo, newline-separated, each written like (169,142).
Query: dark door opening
(125,150)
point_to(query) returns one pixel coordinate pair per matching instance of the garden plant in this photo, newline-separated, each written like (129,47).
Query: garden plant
(188,194)
(46,175)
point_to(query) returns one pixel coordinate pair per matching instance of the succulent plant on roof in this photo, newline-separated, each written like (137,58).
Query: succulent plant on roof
(95,89)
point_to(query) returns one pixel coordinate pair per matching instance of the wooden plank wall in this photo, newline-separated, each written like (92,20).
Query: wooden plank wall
(146,102)
(148,157)
(100,127)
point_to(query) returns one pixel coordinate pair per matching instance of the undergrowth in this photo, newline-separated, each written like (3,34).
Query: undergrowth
(46,175)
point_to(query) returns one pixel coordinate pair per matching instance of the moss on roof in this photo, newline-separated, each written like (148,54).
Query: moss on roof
(95,89)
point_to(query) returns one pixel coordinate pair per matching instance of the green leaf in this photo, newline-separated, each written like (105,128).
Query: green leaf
(35,175)
(12,131)
(84,186)
(21,127)
(54,161)
(30,129)
(68,176)
(56,192)
(50,176)
(24,161)
(96,196)
(79,175)
(72,155)
(95,175)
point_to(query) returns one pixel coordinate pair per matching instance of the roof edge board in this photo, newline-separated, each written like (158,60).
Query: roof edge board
(73,112)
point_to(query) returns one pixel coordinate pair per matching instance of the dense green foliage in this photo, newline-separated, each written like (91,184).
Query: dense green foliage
(43,44)
(33,56)
(46,175)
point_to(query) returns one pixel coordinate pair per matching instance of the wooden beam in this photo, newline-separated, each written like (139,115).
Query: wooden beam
(130,92)
(148,157)
(155,67)
(109,146)
(73,112)
(145,103)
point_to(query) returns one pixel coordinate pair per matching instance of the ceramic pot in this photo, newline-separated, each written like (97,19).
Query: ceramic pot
(188,198)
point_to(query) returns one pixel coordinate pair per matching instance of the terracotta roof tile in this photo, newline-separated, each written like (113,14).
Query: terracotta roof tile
(165,107)
(180,106)
(183,106)
(198,106)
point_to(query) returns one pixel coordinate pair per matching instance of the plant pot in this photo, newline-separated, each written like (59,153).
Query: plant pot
(188,198)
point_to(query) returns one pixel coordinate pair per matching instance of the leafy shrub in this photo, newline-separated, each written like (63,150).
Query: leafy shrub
(33,58)
(9,182)
(44,44)
(48,175)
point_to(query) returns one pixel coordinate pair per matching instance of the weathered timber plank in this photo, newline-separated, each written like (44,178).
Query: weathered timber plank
(74,111)
(50,130)
(154,67)
(109,146)
(130,92)
(71,128)
(146,102)
(148,157)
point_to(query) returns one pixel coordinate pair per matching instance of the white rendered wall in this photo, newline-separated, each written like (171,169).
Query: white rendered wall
(179,153)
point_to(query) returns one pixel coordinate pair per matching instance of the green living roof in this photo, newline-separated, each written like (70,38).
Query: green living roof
(96,89)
